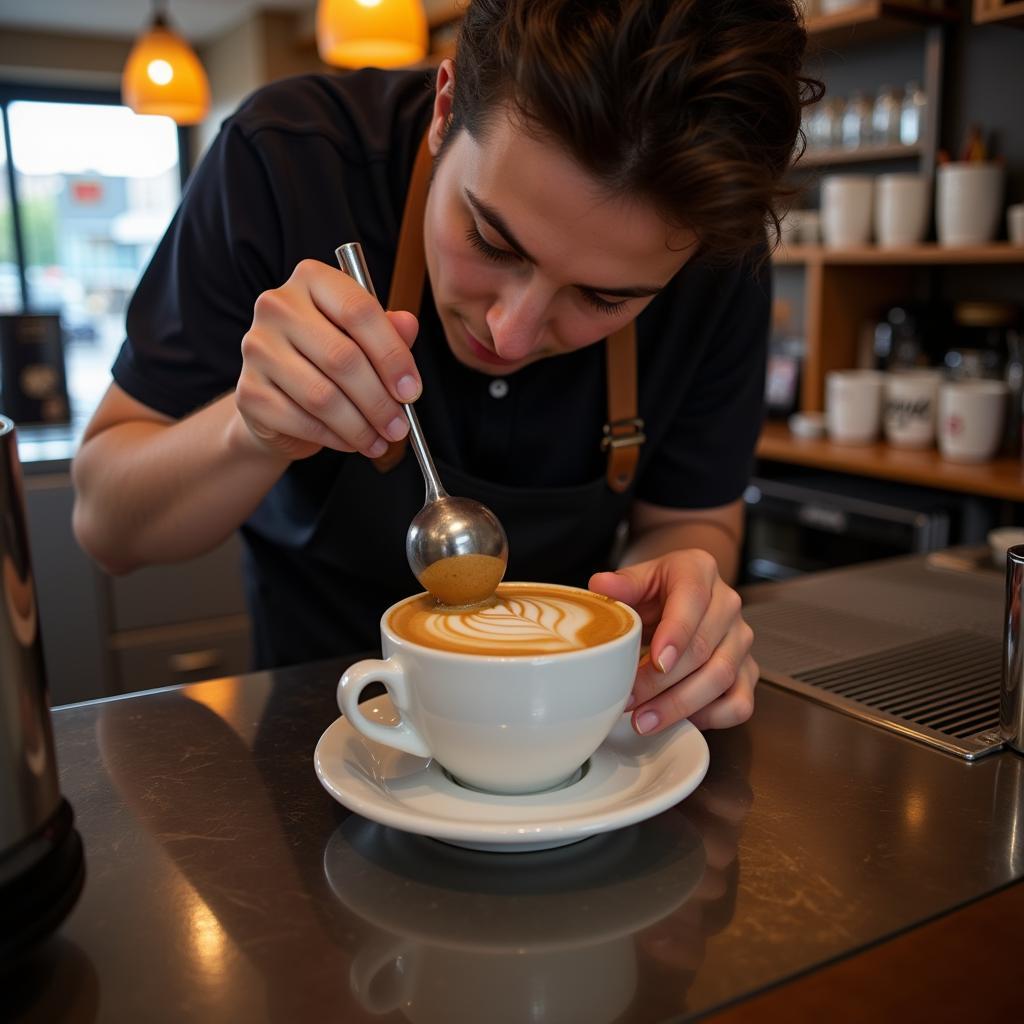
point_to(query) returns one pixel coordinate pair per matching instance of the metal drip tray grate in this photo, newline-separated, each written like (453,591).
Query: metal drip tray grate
(944,691)
(898,644)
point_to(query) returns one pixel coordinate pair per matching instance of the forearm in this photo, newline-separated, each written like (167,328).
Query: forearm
(152,492)
(717,539)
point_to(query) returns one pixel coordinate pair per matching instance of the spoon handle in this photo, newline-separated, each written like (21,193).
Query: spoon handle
(350,258)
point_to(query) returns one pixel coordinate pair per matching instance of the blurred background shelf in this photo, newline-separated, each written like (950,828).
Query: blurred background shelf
(988,11)
(929,254)
(863,154)
(868,22)
(1000,478)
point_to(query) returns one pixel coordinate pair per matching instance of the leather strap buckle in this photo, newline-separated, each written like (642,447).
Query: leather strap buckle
(615,439)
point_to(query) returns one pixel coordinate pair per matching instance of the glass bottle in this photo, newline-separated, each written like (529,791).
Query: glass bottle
(856,123)
(885,117)
(819,129)
(912,113)
(836,108)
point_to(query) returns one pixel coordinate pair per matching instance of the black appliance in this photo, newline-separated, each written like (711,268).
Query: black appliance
(806,522)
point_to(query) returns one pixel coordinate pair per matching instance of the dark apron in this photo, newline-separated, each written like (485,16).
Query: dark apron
(316,591)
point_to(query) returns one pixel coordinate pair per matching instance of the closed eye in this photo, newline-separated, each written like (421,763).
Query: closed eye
(485,248)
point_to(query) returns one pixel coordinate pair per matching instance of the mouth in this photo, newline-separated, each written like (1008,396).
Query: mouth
(486,355)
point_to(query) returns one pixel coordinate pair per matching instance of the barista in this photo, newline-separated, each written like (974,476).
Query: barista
(586,172)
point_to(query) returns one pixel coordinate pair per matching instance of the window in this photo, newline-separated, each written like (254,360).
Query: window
(88,189)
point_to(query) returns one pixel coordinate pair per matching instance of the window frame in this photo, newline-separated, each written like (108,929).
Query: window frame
(11,92)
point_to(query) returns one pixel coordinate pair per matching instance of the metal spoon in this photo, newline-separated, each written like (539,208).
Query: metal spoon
(456,547)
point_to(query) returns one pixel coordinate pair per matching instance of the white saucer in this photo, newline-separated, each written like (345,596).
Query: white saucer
(628,779)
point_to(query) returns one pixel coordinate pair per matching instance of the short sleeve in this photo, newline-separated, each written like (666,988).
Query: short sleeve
(705,458)
(195,300)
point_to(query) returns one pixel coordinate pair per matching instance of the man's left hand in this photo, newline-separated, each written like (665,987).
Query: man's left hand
(699,666)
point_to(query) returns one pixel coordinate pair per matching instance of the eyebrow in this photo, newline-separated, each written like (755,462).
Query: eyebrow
(497,222)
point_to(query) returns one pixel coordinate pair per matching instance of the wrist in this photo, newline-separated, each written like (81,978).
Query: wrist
(243,445)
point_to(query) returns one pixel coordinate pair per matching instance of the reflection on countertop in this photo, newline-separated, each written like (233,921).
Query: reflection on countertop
(224,883)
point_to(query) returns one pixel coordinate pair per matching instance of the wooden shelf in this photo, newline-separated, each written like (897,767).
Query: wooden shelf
(875,19)
(1001,478)
(928,254)
(988,12)
(863,154)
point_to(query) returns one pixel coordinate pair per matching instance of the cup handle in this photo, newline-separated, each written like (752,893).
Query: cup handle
(381,980)
(404,735)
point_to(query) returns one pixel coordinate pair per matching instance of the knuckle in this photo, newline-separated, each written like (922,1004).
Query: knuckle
(746,635)
(705,561)
(733,602)
(342,357)
(319,395)
(743,705)
(723,672)
(305,269)
(269,304)
(360,308)
(699,648)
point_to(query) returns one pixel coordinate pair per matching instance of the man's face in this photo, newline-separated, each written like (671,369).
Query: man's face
(528,258)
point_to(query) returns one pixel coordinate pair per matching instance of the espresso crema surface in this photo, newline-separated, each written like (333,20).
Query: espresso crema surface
(521,619)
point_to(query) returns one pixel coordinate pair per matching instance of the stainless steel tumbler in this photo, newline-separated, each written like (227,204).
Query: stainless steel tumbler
(1011,695)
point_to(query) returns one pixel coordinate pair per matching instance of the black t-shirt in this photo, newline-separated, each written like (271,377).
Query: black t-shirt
(310,162)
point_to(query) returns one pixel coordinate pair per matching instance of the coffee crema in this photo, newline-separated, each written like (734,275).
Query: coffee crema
(522,619)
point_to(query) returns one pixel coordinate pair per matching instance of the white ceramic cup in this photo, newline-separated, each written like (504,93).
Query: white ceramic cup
(910,407)
(968,201)
(846,205)
(971,419)
(902,209)
(1015,224)
(809,228)
(853,405)
(517,724)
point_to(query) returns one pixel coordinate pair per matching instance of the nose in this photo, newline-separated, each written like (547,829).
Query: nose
(517,320)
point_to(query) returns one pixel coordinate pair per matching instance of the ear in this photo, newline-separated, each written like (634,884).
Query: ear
(443,96)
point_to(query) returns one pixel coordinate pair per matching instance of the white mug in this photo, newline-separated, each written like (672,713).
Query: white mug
(853,405)
(968,200)
(902,209)
(911,406)
(504,724)
(971,416)
(1015,224)
(846,204)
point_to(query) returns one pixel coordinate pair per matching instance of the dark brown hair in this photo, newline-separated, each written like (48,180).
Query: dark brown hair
(691,105)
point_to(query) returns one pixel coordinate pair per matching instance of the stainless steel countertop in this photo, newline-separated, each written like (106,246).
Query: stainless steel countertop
(223,883)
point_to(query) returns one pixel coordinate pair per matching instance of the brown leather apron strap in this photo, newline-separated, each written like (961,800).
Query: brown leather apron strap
(623,433)
(410,268)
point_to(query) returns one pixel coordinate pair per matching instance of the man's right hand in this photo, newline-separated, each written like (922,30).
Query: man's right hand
(323,365)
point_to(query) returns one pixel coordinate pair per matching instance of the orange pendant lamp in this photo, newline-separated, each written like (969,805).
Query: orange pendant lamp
(371,33)
(163,75)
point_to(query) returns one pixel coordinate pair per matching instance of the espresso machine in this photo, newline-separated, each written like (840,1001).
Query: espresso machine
(42,867)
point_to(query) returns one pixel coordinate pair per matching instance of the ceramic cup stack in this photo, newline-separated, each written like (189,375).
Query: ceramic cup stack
(846,210)
(853,405)
(968,202)
(902,209)
(971,417)
(911,407)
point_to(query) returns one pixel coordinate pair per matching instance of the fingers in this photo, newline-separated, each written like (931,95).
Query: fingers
(695,624)
(323,364)
(360,316)
(696,696)
(735,706)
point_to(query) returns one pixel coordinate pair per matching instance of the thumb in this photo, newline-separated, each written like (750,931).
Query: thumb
(405,323)
(621,586)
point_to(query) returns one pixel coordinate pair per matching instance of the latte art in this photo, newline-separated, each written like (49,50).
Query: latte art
(521,619)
